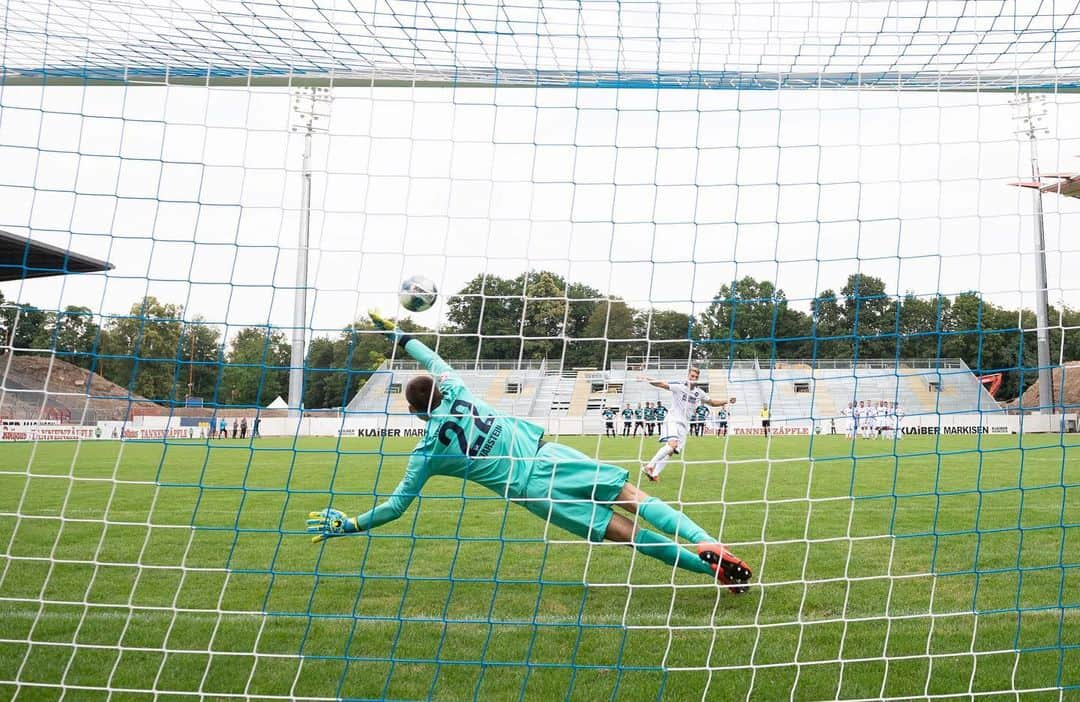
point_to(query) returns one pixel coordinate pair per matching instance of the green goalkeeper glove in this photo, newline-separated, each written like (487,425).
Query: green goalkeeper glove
(329,523)
(387,326)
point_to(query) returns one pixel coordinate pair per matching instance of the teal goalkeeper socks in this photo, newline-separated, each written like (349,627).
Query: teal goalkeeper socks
(662,548)
(663,517)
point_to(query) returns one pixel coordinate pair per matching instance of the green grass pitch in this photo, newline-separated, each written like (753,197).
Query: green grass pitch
(940,566)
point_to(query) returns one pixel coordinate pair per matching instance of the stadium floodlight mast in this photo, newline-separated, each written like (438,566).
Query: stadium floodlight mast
(1030,112)
(310,106)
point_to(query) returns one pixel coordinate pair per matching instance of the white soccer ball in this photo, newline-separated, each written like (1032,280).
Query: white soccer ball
(418,293)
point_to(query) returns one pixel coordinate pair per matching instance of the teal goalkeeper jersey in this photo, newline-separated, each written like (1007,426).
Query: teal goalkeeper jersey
(466,439)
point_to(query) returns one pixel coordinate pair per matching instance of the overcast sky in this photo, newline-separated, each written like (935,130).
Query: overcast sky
(658,197)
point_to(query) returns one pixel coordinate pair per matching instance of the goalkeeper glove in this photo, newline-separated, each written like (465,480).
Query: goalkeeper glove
(329,523)
(387,326)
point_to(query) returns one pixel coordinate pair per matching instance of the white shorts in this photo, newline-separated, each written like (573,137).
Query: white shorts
(675,430)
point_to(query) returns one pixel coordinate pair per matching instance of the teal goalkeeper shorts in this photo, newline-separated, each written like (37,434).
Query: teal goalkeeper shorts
(573,491)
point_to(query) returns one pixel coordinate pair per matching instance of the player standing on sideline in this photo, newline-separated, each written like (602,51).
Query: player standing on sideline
(465,438)
(243,427)
(639,419)
(627,415)
(701,415)
(766,421)
(609,422)
(255,427)
(650,418)
(661,418)
(685,397)
(721,421)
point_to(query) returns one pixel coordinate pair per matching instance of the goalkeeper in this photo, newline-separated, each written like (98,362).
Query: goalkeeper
(466,439)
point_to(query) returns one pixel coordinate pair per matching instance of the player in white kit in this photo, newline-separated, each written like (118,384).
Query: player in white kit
(897,416)
(847,418)
(882,419)
(862,419)
(685,399)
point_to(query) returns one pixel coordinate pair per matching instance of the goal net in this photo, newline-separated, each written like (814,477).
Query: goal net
(852,218)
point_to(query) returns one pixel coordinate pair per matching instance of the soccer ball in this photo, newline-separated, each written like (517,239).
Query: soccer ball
(417,293)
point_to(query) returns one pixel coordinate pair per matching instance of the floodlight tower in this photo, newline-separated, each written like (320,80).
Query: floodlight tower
(1030,113)
(311,110)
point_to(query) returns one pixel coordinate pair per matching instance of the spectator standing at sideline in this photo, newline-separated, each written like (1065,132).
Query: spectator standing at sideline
(243,427)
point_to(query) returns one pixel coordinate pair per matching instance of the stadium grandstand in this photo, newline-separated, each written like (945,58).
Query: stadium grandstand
(795,390)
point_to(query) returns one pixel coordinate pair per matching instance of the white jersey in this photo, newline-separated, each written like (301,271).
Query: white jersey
(882,415)
(684,400)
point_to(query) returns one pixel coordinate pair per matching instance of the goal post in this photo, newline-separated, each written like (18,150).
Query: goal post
(811,204)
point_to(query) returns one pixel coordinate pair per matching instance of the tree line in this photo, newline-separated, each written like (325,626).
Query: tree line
(155,352)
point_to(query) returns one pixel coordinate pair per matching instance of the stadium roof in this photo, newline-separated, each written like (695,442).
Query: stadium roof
(1066,184)
(22,258)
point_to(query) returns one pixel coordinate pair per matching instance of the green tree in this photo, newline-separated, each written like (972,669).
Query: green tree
(613,332)
(200,358)
(257,368)
(1066,334)
(870,315)
(319,372)
(72,334)
(544,314)
(77,335)
(991,339)
(338,367)
(142,349)
(752,319)
(529,316)
(667,331)
(25,327)
(830,338)
(921,325)
(485,319)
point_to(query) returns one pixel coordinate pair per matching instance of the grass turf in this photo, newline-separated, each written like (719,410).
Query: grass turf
(943,565)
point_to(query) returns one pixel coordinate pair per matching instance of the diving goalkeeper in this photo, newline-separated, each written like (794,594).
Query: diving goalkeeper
(465,438)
